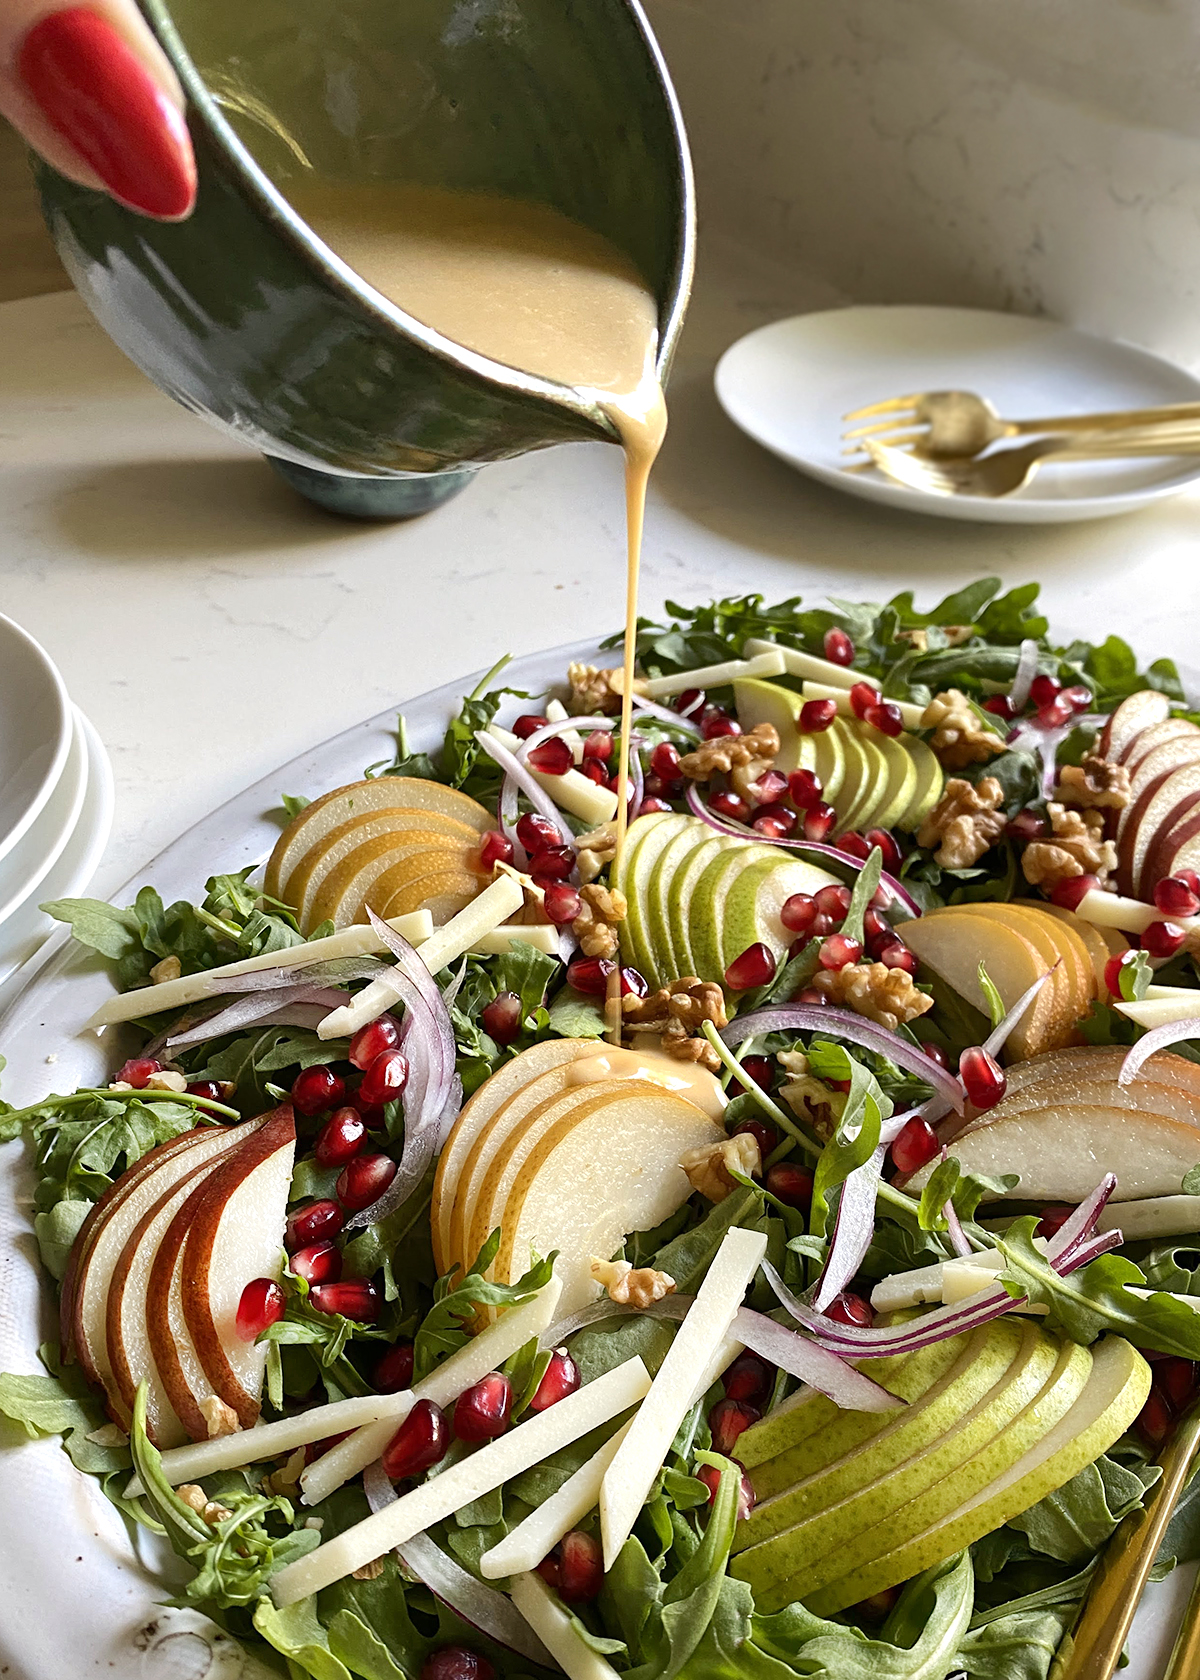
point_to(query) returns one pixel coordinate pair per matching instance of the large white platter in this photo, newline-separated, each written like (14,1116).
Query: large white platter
(78,1598)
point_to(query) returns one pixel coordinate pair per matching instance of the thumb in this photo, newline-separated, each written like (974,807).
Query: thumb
(90,90)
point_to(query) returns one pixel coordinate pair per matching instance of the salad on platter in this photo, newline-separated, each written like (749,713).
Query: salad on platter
(762,1242)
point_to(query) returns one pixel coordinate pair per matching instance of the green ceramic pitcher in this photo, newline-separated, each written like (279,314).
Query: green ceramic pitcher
(241,313)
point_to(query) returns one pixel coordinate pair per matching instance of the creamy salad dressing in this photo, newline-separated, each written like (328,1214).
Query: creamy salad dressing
(686,1078)
(523,285)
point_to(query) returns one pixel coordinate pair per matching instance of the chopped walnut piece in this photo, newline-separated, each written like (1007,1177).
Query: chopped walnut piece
(595,851)
(167,1080)
(594,690)
(965,822)
(109,1435)
(955,635)
(885,995)
(753,753)
(1095,783)
(808,1097)
(676,1013)
(697,1050)
(368,1571)
(1076,847)
(595,927)
(219,1418)
(959,737)
(630,1286)
(708,1168)
(285,1481)
(195,1497)
(170,968)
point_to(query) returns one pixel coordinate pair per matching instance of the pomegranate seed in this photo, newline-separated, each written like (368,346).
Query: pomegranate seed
(711,1477)
(761,1071)
(1190,880)
(316,1089)
(590,975)
(805,788)
(816,716)
(555,863)
(766,1137)
(372,1112)
(373,1039)
(1026,825)
(208,1088)
(529,724)
(790,1184)
(456,1662)
(1154,1421)
(748,1378)
(394,1371)
(580,1567)
(1176,1379)
(689,700)
(876,927)
(1000,706)
(729,805)
(312,1223)
(839,649)
(419,1443)
(553,757)
(839,951)
(887,718)
(1043,690)
(1113,968)
(755,967)
(599,745)
(833,901)
(1077,697)
(1172,896)
(727,1420)
(316,1449)
(982,1077)
(648,806)
(813,998)
(1052,1220)
(537,833)
(138,1071)
(716,723)
(896,955)
(262,1303)
(384,1079)
(633,983)
(913,1146)
(355,1298)
(664,761)
(878,1607)
(774,820)
(484,1410)
(495,848)
(798,912)
(560,1378)
(879,839)
(854,845)
(1055,714)
(320,1262)
(847,1308)
(502,1018)
(771,787)
(594,770)
(863,696)
(818,821)
(340,1138)
(363,1180)
(1163,939)
(562,903)
(1069,894)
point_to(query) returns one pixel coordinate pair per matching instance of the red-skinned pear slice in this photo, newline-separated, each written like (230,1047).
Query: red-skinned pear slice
(1172,800)
(1173,850)
(1104,1062)
(1150,775)
(107,1243)
(236,1236)
(1138,712)
(1157,735)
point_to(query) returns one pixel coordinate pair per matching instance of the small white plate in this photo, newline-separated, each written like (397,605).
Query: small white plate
(36,724)
(788,386)
(43,842)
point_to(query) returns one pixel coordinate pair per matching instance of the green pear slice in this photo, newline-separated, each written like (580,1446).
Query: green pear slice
(655,832)
(1014,1417)
(921,1431)
(657,914)
(680,894)
(896,795)
(1112,1397)
(925,1375)
(930,782)
(758,702)
(859,771)
(874,784)
(707,911)
(755,898)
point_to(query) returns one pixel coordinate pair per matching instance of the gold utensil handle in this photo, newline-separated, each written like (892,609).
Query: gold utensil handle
(1093,1648)
(1118,418)
(1185,1658)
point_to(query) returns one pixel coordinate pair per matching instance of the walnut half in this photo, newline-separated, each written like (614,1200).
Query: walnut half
(629,1285)
(1076,847)
(959,738)
(966,821)
(885,995)
(707,1168)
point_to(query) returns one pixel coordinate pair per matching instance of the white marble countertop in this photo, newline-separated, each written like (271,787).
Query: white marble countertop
(213,625)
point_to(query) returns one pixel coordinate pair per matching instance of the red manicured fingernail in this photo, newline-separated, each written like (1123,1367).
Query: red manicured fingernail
(95,91)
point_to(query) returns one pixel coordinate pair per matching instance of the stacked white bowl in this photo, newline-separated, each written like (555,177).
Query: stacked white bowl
(56,795)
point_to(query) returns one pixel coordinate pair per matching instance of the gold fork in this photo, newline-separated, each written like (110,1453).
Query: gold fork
(1008,470)
(961,424)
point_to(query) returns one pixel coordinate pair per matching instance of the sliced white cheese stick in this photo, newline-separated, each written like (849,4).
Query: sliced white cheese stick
(908,1289)
(190,988)
(701,1334)
(527,1544)
(1128,915)
(484,914)
(469,1479)
(271,1440)
(769,664)
(1158,1012)
(556,712)
(574,791)
(483,1353)
(554,1627)
(806,665)
(911,714)
(541,937)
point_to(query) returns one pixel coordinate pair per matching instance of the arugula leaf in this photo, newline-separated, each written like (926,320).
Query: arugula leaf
(572,1015)
(857,1134)
(1175,1266)
(457,1298)
(1016,1646)
(865,888)
(948,1183)
(995,1002)
(62,1403)
(1073,1522)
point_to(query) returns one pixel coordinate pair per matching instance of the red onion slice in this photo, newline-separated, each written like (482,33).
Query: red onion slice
(674,720)
(1175,1032)
(336,971)
(954,1230)
(818,847)
(1080,1225)
(1027,664)
(481,1607)
(853,1228)
(521,775)
(842,1023)
(855,1342)
(304,1006)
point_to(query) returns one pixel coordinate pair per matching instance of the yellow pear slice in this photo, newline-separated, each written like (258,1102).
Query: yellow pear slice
(1072,977)
(306,878)
(953,944)
(1094,944)
(476,1114)
(357,799)
(610,1167)
(443,895)
(347,887)
(1064,929)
